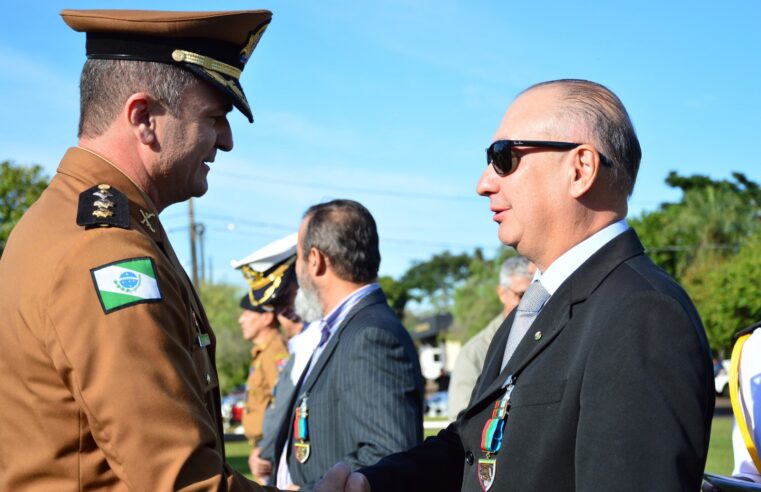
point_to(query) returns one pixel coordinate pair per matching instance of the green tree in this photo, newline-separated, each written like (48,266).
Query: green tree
(20,186)
(220,301)
(726,291)
(397,294)
(712,216)
(432,282)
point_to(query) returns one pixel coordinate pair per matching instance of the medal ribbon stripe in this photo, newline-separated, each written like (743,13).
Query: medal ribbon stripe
(300,429)
(491,436)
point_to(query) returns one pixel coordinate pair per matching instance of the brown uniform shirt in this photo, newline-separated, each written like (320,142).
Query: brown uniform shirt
(127,400)
(267,359)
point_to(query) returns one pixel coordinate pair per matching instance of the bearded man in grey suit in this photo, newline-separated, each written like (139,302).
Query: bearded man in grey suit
(361,396)
(601,378)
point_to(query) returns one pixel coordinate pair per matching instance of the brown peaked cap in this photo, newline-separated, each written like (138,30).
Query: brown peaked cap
(214,46)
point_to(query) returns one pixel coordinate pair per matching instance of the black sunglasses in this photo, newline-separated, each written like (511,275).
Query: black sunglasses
(500,154)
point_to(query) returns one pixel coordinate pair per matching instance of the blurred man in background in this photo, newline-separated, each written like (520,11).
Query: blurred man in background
(361,395)
(514,278)
(267,319)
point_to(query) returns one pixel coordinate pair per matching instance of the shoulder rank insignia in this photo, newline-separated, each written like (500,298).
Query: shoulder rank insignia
(103,206)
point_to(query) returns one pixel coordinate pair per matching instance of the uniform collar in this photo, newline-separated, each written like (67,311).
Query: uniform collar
(92,169)
(260,347)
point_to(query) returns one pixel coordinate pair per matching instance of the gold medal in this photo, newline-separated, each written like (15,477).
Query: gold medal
(486,469)
(301,451)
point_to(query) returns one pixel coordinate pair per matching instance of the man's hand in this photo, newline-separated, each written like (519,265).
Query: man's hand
(341,479)
(260,468)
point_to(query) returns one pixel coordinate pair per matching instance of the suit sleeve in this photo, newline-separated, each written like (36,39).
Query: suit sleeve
(645,400)
(383,404)
(437,464)
(141,383)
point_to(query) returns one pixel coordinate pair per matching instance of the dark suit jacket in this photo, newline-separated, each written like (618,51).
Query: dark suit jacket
(277,413)
(616,394)
(365,394)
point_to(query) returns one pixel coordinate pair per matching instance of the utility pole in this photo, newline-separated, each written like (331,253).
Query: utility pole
(193,258)
(201,230)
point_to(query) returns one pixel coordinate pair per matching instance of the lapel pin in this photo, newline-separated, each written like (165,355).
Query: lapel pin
(538,336)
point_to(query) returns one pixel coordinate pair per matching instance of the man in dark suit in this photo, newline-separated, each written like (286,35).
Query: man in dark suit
(600,379)
(361,395)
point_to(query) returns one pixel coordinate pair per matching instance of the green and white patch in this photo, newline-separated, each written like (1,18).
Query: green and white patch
(125,283)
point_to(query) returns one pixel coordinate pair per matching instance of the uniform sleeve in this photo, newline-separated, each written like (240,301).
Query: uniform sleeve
(383,410)
(274,365)
(645,401)
(275,414)
(750,390)
(142,383)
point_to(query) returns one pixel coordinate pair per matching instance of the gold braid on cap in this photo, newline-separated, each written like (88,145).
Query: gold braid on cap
(206,62)
(257,281)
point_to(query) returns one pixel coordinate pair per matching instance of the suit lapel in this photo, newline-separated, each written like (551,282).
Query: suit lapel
(372,298)
(551,321)
(555,314)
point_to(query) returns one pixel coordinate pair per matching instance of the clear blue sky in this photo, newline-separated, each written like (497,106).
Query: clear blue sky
(393,102)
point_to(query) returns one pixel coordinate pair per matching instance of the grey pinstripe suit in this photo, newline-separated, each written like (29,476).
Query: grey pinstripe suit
(365,394)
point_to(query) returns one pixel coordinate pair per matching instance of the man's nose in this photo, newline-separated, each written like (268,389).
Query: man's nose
(488,182)
(224,136)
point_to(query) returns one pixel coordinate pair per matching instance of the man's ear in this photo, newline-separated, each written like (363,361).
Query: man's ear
(141,110)
(502,294)
(586,167)
(317,262)
(269,317)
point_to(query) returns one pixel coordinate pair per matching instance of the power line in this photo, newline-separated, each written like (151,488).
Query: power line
(369,191)
(384,240)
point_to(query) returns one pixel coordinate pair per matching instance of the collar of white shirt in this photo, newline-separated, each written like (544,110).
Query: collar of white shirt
(571,260)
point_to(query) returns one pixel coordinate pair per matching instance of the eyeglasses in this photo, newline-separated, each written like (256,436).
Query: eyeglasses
(500,154)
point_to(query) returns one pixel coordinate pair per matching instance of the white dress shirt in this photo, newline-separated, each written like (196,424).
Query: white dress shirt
(571,260)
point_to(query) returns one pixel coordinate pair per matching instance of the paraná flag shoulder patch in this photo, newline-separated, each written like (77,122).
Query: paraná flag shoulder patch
(125,283)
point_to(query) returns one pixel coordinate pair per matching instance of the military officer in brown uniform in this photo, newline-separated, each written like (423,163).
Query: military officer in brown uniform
(269,272)
(109,379)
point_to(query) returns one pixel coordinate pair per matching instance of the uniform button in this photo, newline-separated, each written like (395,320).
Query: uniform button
(208,378)
(469,458)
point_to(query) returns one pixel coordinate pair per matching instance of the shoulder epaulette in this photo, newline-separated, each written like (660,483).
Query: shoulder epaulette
(103,206)
(747,330)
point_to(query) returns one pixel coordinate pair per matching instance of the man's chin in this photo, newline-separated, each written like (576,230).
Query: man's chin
(506,238)
(200,190)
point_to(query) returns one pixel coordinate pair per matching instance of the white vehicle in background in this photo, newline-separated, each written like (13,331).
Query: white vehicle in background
(721,377)
(431,361)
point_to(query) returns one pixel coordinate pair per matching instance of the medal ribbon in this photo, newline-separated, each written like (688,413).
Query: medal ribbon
(491,435)
(300,428)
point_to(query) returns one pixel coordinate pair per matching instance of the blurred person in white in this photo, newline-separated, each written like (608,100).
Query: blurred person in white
(745,393)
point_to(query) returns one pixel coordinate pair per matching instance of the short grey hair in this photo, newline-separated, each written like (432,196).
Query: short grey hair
(345,232)
(516,266)
(105,85)
(605,116)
